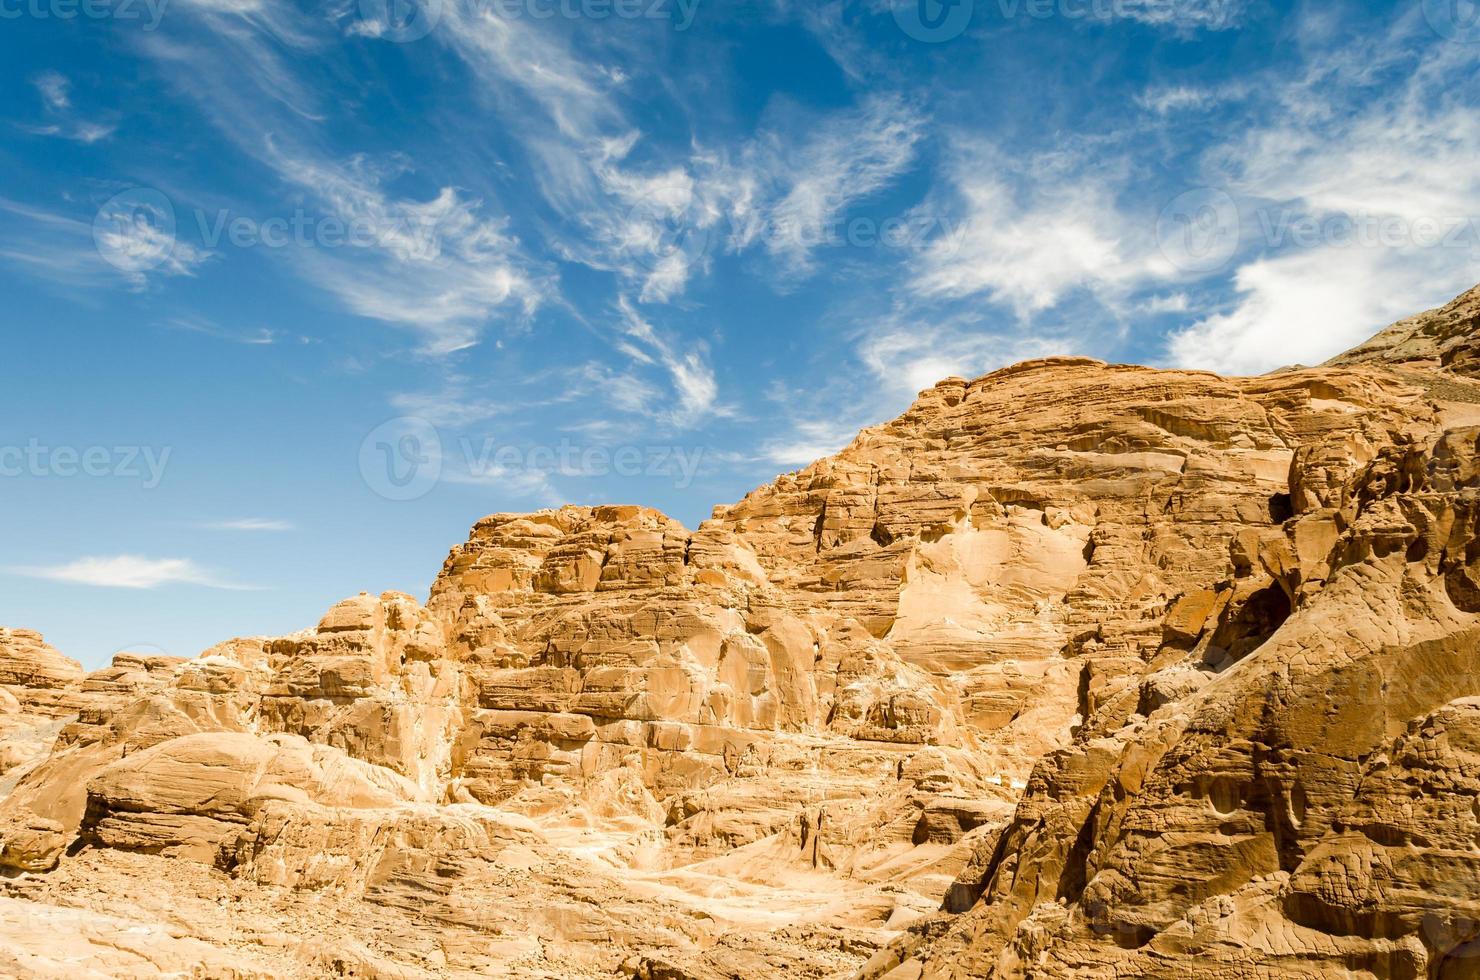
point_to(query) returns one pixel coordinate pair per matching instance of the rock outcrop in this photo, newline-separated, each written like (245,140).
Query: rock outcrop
(1075,669)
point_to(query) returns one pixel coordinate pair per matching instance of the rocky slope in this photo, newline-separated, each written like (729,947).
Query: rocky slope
(1072,670)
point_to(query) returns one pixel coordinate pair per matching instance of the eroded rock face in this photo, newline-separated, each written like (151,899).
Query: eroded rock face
(1073,669)
(1308,809)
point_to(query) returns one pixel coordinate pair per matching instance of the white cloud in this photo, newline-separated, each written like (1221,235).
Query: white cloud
(520,482)
(1169,303)
(437,265)
(657,222)
(518,55)
(248,524)
(849,157)
(1165,100)
(1364,208)
(454,405)
(1185,15)
(130,241)
(908,357)
(1030,241)
(621,390)
(692,379)
(53,87)
(87,132)
(127,572)
(809,440)
(260,337)
(56,99)
(444,266)
(140,247)
(1307,306)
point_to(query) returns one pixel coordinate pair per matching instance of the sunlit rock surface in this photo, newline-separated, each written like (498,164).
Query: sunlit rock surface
(1072,670)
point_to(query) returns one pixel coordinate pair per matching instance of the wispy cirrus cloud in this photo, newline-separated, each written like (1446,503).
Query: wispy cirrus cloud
(456,403)
(691,378)
(809,440)
(444,265)
(247,524)
(1359,204)
(533,485)
(848,157)
(62,120)
(53,87)
(658,224)
(906,356)
(128,572)
(1185,16)
(1034,231)
(260,337)
(1165,100)
(439,266)
(123,239)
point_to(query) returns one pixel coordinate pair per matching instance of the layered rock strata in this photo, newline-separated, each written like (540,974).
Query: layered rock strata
(1074,669)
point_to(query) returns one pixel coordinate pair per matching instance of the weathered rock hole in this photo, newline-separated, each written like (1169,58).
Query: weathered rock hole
(1253,623)
(1280,508)
(1225,795)
(1463,588)
(1297,805)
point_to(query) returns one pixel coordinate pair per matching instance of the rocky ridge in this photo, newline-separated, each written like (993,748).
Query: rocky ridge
(1075,669)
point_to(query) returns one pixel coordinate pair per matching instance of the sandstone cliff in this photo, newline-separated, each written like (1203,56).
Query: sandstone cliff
(1075,669)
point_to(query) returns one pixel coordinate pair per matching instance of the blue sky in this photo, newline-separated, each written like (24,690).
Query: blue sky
(295,292)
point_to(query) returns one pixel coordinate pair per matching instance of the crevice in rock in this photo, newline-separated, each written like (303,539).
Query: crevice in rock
(1245,629)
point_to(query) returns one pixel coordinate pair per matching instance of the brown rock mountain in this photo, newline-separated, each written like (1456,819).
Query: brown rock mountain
(1072,670)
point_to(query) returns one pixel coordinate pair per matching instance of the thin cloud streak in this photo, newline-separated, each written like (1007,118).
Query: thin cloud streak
(248,524)
(128,572)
